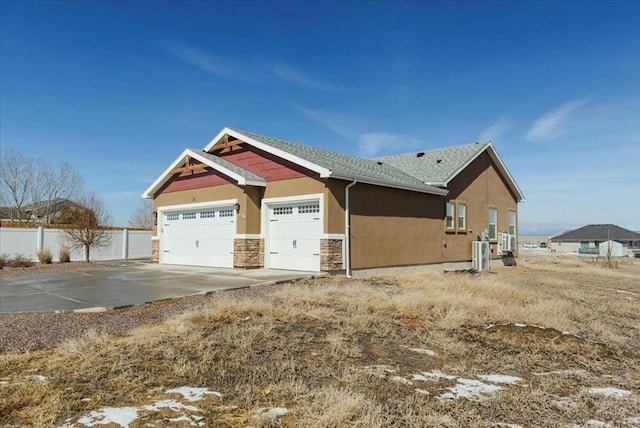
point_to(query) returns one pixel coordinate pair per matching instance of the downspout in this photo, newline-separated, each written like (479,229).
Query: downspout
(347,231)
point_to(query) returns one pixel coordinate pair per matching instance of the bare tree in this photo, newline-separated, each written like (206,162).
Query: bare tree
(56,183)
(89,223)
(35,185)
(16,180)
(142,217)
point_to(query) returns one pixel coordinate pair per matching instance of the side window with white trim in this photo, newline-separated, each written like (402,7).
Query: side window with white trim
(449,216)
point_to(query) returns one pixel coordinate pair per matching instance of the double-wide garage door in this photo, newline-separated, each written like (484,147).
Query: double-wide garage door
(199,237)
(294,236)
(204,236)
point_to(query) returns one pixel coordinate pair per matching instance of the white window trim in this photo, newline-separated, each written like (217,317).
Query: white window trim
(453,216)
(492,238)
(464,226)
(515,222)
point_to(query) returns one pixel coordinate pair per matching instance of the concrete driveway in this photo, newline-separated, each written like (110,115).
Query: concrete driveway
(126,284)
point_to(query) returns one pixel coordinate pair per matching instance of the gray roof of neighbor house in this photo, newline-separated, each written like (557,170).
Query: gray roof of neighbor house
(436,166)
(345,166)
(248,175)
(47,207)
(598,232)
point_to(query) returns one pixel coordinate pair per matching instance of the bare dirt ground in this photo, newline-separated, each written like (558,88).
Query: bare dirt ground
(551,342)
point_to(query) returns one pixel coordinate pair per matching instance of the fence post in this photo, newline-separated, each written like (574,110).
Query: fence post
(40,239)
(125,244)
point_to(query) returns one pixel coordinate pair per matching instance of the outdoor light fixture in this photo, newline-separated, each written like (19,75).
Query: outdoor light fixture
(236,206)
(155,217)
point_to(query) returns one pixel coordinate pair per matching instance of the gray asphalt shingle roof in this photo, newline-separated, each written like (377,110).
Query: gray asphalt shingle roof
(598,232)
(436,166)
(248,175)
(344,166)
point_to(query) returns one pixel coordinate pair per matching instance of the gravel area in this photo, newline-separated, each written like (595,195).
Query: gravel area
(37,331)
(40,269)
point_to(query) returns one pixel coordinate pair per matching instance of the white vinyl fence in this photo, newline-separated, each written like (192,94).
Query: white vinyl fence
(125,244)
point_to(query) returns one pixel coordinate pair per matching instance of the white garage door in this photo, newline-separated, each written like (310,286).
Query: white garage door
(294,236)
(199,237)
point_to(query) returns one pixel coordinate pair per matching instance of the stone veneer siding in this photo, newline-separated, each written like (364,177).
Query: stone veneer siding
(155,250)
(248,253)
(331,255)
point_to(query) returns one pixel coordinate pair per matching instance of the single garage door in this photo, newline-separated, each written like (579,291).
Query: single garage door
(294,236)
(202,237)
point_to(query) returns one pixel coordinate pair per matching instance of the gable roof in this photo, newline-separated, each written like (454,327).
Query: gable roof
(231,170)
(439,166)
(427,172)
(598,232)
(331,164)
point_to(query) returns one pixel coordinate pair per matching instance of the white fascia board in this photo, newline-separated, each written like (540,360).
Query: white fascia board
(501,167)
(242,181)
(164,177)
(365,180)
(324,172)
(505,171)
(148,194)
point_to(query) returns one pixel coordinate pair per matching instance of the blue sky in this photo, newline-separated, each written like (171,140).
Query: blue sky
(119,89)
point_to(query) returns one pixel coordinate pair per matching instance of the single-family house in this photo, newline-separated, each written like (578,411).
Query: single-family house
(587,239)
(246,201)
(54,211)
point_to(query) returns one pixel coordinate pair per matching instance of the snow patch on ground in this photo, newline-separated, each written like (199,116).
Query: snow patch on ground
(273,412)
(469,389)
(592,423)
(171,405)
(610,392)
(498,378)
(633,420)
(436,374)
(121,416)
(193,394)
(422,391)
(400,379)
(428,352)
(124,416)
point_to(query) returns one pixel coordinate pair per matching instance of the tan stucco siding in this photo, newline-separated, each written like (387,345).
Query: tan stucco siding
(392,227)
(479,186)
(334,203)
(207,194)
(293,187)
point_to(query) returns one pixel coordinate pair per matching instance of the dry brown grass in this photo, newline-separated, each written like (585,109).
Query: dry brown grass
(337,353)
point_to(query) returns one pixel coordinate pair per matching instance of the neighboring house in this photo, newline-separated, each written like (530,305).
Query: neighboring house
(8,214)
(251,201)
(587,239)
(54,211)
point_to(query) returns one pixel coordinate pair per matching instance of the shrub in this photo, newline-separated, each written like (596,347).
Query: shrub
(44,256)
(65,255)
(4,260)
(20,261)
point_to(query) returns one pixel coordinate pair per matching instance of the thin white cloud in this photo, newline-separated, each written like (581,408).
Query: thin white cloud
(369,144)
(551,125)
(494,131)
(223,67)
(343,125)
(372,144)
(292,75)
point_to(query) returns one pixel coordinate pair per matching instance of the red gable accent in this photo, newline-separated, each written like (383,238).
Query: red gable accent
(266,165)
(196,179)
